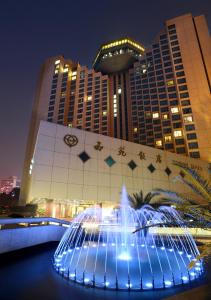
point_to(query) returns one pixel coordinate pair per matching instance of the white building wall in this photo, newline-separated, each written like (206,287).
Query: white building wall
(58,173)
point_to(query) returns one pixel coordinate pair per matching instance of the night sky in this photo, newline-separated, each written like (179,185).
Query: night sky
(31,31)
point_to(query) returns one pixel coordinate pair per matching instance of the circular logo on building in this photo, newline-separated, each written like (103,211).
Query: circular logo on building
(70,140)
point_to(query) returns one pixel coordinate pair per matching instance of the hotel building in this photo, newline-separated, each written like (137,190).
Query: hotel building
(158,96)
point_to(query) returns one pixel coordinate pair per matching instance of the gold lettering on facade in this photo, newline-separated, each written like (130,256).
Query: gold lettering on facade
(142,155)
(158,158)
(98,146)
(122,151)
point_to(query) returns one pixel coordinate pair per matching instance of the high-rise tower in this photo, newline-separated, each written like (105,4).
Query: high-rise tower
(159,96)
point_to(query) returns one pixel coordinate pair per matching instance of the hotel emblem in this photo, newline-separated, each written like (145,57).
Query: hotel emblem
(70,140)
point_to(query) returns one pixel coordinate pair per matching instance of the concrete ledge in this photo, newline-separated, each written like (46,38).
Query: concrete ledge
(14,239)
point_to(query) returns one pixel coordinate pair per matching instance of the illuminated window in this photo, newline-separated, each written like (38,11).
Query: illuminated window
(56,72)
(104,113)
(74,73)
(79,121)
(73,78)
(155,115)
(57,62)
(168,138)
(170,82)
(188,119)
(148,114)
(65,70)
(70,125)
(174,110)
(165,116)
(135,129)
(158,143)
(119,90)
(114,96)
(178,133)
(89,98)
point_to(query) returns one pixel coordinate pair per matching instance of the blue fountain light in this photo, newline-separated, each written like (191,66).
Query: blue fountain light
(118,250)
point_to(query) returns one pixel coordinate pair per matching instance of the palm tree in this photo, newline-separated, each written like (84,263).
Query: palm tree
(137,200)
(195,181)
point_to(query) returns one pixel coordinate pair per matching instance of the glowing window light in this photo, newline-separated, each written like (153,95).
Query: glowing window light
(65,70)
(177,133)
(57,61)
(142,245)
(162,248)
(86,280)
(113,244)
(89,98)
(56,72)
(189,255)
(174,110)
(188,119)
(119,90)
(104,113)
(129,285)
(180,252)
(192,273)
(104,244)
(171,250)
(168,138)
(158,143)
(72,275)
(74,73)
(170,82)
(106,283)
(153,246)
(198,269)
(73,78)
(198,264)
(155,115)
(94,246)
(168,283)
(135,129)
(165,116)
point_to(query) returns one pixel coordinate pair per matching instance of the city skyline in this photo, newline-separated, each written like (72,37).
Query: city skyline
(15,120)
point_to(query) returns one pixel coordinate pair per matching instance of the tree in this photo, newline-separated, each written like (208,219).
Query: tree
(137,200)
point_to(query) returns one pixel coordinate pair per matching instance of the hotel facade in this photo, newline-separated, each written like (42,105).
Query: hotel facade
(158,97)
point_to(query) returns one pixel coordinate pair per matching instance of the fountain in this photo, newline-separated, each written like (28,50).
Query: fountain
(129,249)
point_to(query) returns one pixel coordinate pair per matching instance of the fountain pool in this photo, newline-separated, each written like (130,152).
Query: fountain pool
(117,249)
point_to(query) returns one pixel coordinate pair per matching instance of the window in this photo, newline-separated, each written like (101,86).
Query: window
(185,102)
(135,129)
(180,74)
(190,127)
(181,150)
(195,154)
(165,116)
(168,138)
(179,141)
(187,110)
(177,133)
(159,143)
(184,95)
(181,80)
(155,115)
(174,110)
(170,82)
(191,136)
(193,145)
(188,119)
